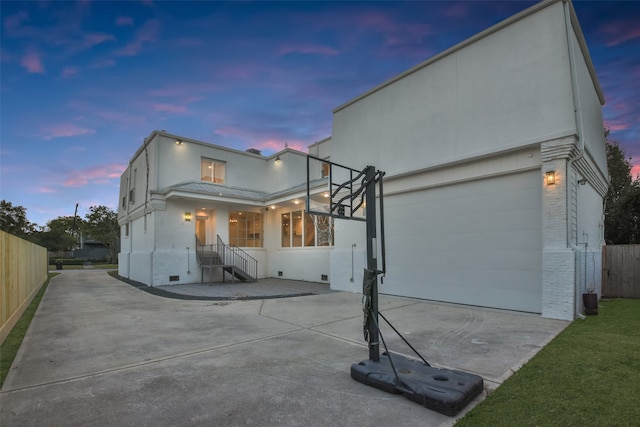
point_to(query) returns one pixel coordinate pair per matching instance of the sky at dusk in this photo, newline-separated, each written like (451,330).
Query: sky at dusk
(83,83)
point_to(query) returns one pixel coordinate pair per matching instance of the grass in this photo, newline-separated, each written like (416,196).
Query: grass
(588,375)
(81,267)
(11,344)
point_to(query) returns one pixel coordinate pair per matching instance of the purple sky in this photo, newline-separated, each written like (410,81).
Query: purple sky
(82,83)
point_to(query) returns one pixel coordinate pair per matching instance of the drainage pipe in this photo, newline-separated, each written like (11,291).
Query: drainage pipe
(575,92)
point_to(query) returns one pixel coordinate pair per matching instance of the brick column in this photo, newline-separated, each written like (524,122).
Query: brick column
(558,260)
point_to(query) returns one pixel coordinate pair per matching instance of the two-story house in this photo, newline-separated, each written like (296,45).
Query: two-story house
(178,193)
(495,179)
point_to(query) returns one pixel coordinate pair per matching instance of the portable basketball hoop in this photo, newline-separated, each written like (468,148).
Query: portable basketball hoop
(351,195)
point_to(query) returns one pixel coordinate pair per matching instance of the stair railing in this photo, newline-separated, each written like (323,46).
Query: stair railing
(233,255)
(221,254)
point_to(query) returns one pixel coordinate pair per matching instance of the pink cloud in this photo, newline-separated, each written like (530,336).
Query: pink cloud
(94,175)
(278,145)
(184,93)
(261,139)
(616,125)
(32,62)
(69,71)
(308,49)
(148,33)
(122,119)
(377,20)
(14,25)
(102,63)
(170,108)
(124,21)
(635,171)
(621,31)
(45,190)
(236,71)
(456,10)
(399,37)
(66,130)
(93,39)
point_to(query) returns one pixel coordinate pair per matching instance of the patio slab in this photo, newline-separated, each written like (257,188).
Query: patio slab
(100,352)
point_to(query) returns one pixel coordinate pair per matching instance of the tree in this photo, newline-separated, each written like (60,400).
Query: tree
(102,224)
(60,234)
(13,220)
(622,209)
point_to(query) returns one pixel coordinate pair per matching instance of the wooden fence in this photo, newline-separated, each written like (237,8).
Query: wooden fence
(621,271)
(23,272)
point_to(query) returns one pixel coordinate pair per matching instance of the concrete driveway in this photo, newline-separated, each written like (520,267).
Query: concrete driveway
(100,352)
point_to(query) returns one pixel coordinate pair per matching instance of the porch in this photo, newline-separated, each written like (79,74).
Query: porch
(260,289)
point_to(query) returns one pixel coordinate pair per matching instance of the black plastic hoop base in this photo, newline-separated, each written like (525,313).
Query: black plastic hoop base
(441,390)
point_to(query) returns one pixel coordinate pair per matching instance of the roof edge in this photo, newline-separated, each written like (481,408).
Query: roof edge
(494,28)
(582,42)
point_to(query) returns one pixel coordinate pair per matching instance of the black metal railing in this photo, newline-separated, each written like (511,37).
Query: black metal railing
(226,256)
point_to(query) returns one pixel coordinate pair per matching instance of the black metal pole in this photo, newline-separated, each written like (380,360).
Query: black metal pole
(372,262)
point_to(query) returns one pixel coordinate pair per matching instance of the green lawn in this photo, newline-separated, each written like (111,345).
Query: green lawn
(11,344)
(588,375)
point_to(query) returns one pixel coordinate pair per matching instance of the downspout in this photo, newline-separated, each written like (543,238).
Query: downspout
(575,91)
(155,237)
(128,224)
(145,146)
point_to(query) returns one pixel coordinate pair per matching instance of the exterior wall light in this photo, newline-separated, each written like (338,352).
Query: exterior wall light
(550,177)
(278,159)
(178,142)
(187,216)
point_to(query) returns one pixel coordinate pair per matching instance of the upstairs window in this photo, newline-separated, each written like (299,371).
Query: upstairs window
(212,170)
(325,169)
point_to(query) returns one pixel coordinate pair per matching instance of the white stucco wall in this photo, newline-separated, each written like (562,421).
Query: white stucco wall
(180,163)
(509,89)
(590,109)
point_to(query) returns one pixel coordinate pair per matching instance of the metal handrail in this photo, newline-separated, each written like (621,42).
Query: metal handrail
(226,255)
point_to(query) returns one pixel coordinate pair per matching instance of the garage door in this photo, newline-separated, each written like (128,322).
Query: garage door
(475,243)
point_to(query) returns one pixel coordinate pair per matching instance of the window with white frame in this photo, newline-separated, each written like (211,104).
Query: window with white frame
(212,170)
(298,229)
(245,229)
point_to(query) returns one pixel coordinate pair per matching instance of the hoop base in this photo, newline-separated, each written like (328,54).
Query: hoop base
(441,390)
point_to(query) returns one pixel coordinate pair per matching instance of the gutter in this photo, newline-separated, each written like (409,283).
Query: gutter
(568,11)
(575,92)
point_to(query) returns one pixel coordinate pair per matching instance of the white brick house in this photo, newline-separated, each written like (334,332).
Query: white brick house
(467,140)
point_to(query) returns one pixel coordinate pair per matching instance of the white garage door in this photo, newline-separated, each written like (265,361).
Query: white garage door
(475,243)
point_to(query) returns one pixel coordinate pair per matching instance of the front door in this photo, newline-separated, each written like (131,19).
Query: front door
(201,229)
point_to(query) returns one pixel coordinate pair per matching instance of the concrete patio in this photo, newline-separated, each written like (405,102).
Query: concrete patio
(100,352)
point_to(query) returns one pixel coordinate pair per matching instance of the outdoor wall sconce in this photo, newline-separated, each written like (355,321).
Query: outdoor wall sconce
(187,216)
(278,159)
(550,177)
(178,142)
